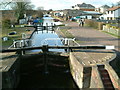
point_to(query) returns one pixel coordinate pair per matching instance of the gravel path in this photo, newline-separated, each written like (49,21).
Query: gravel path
(88,35)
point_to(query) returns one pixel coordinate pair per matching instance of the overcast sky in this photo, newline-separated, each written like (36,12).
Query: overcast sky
(66,4)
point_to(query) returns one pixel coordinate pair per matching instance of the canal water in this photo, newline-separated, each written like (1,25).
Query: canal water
(50,38)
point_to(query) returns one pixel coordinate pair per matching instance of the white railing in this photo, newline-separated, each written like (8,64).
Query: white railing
(63,41)
(111,30)
(20,43)
(58,28)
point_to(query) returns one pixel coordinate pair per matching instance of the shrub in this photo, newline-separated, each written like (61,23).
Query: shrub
(94,24)
(6,23)
(108,25)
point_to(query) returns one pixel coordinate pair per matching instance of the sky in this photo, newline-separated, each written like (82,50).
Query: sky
(66,4)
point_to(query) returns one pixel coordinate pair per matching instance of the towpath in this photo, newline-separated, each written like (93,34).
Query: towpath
(88,35)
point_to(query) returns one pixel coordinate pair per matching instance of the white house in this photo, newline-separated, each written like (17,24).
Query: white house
(111,14)
(102,9)
(91,14)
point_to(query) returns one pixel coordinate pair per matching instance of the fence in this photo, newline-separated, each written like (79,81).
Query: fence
(111,30)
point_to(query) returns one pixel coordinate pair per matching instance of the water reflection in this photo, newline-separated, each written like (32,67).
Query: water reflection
(45,37)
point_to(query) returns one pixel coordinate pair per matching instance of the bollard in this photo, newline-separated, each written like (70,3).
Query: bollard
(45,50)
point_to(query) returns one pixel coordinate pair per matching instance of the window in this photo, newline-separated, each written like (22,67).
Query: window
(110,18)
(111,12)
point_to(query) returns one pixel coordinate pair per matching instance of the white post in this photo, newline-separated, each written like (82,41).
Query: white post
(14,44)
(66,41)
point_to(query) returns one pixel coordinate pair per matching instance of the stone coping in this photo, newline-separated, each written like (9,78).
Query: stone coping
(7,60)
(93,57)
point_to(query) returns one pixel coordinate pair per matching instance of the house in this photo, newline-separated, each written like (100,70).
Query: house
(68,13)
(58,13)
(102,9)
(74,13)
(111,13)
(91,14)
(84,7)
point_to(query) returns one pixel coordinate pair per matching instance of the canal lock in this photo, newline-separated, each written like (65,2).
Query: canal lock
(48,69)
(35,73)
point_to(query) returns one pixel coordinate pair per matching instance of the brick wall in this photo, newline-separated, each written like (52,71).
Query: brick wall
(114,77)
(96,81)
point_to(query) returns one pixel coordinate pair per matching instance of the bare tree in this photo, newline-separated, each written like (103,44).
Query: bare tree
(19,7)
(40,8)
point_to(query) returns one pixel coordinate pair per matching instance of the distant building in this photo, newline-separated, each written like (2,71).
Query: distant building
(58,13)
(112,13)
(84,7)
(74,13)
(102,9)
(77,13)
(91,14)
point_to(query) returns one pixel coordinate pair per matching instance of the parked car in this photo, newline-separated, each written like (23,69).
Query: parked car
(73,19)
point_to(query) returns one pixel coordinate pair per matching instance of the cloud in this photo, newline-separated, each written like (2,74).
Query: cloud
(52,4)
(64,4)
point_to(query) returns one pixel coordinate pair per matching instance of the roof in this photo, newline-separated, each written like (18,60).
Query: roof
(113,8)
(87,9)
(105,6)
(91,12)
(85,5)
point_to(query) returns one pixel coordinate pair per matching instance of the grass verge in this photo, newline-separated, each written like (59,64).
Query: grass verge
(17,36)
(111,34)
(66,33)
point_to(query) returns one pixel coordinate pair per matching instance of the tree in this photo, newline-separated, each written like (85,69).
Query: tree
(40,11)
(19,8)
(40,8)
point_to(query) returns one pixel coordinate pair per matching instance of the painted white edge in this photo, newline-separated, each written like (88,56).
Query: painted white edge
(110,47)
